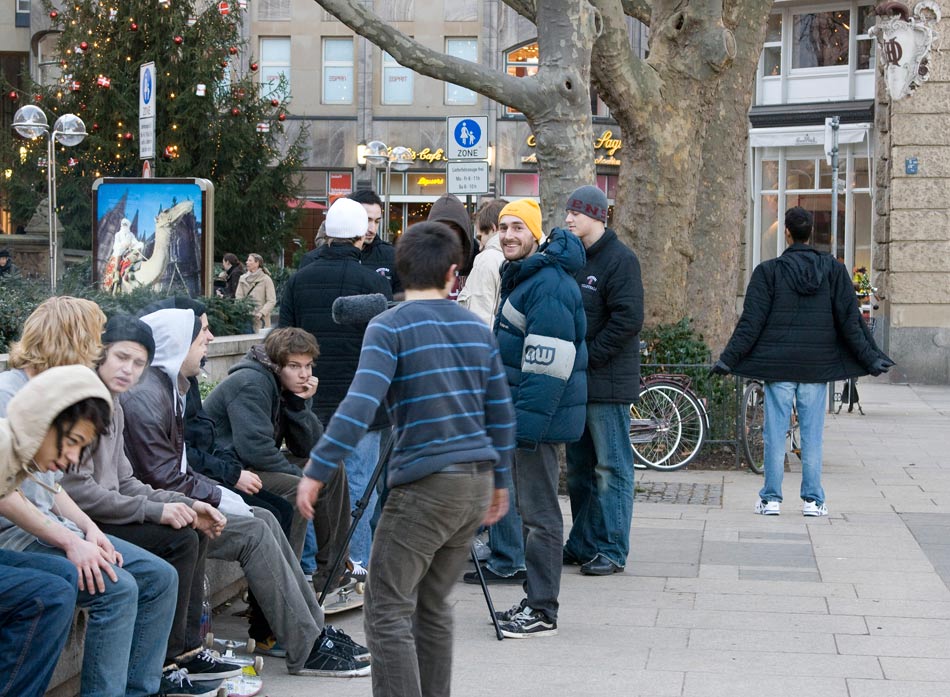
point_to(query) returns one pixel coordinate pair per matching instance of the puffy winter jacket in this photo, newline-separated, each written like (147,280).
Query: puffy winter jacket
(540,329)
(306,303)
(801,323)
(613,301)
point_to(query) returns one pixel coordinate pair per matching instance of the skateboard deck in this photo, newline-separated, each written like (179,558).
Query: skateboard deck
(251,664)
(349,597)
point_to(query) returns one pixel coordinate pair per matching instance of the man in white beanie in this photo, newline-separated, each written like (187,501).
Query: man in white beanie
(307,299)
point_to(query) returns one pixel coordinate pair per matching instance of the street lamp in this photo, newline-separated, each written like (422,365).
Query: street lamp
(399,159)
(30,122)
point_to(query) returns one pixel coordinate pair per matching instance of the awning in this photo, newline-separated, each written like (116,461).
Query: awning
(306,204)
(805,136)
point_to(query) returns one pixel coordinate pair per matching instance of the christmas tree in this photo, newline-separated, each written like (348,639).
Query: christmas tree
(213,117)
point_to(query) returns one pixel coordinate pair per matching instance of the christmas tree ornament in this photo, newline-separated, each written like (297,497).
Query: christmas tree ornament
(263,127)
(275,102)
(253,67)
(200,89)
(178,40)
(72,162)
(133,27)
(74,86)
(233,50)
(13,96)
(103,81)
(37,97)
(235,111)
(242,4)
(281,116)
(41,162)
(78,49)
(95,126)
(128,136)
(53,14)
(83,45)
(113,13)
(224,8)
(191,21)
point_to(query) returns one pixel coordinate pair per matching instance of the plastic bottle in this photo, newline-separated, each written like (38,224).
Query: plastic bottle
(206,625)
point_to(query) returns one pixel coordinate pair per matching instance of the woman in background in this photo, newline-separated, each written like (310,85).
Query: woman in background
(259,286)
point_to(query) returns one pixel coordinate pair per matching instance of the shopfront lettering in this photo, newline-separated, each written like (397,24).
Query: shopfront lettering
(605,141)
(434,181)
(429,155)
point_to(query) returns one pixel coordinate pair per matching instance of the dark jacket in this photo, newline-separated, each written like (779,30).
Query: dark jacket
(380,257)
(613,302)
(306,303)
(540,329)
(801,323)
(205,455)
(253,415)
(231,281)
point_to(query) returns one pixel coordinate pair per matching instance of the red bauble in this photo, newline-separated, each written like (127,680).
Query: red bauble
(133,27)
(53,14)
(37,97)
(83,45)
(128,136)
(281,117)
(233,50)
(254,66)
(13,96)
(95,126)
(275,102)
(178,40)
(235,112)
(224,64)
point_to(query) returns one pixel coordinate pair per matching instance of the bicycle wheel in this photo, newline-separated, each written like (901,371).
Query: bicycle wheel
(692,424)
(655,428)
(753,420)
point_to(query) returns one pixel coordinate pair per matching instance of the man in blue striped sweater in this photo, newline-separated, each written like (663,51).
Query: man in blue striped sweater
(438,370)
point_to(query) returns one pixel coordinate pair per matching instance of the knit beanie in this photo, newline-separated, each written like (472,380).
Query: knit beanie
(129,328)
(346,219)
(590,201)
(528,211)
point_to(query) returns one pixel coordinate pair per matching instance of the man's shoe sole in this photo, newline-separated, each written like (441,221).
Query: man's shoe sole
(355,673)
(602,572)
(529,635)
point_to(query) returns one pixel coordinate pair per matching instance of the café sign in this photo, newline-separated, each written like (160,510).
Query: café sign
(605,147)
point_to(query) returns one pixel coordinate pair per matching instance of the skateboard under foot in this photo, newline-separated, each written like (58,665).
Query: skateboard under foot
(249,682)
(348,597)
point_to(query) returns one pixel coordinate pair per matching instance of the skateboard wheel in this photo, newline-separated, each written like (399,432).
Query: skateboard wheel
(209,640)
(259,664)
(251,645)
(360,587)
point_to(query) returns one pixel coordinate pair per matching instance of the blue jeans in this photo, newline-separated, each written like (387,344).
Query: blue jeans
(506,540)
(359,467)
(810,398)
(37,600)
(308,560)
(128,624)
(600,484)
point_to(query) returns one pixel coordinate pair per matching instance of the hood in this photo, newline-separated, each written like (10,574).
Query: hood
(449,209)
(31,411)
(256,359)
(562,248)
(173,332)
(805,268)
(493,242)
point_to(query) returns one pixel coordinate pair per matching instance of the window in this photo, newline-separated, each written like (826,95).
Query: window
(466,49)
(820,39)
(522,184)
(275,65)
(23,6)
(522,62)
(772,49)
(271,10)
(397,82)
(865,48)
(338,71)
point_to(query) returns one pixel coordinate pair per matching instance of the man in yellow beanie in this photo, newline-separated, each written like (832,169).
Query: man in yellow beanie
(540,330)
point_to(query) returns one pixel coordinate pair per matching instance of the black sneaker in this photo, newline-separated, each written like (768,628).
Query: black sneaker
(176,683)
(509,614)
(205,665)
(529,623)
(331,660)
(341,638)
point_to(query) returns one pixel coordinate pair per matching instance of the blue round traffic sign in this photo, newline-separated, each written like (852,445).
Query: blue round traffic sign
(147,86)
(467,133)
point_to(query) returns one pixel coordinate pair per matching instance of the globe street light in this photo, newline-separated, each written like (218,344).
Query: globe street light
(399,159)
(30,122)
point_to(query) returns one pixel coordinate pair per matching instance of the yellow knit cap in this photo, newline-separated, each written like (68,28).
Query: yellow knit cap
(528,211)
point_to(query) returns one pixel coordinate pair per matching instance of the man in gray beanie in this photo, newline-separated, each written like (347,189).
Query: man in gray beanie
(600,464)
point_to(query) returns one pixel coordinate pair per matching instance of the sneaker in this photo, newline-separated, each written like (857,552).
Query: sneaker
(482,550)
(176,683)
(491,577)
(360,652)
(510,613)
(529,623)
(206,665)
(270,647)
(356,571)
(768,507)
(812,509)
(331,660)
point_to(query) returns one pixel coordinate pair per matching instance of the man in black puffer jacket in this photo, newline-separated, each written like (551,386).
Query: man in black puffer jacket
(600,464)
(800,328)
(306,303)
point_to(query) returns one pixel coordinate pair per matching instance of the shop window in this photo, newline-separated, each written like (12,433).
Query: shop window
(425,183)
(466,49)
(519,184)
(522,62)
(274,65)
(338,71)
(820,39)
(397,82)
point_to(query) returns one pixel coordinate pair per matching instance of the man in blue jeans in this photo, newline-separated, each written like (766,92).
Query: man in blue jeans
(800,328)
(600,464)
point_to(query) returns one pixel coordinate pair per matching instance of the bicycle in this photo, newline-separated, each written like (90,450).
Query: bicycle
(669,422)
(752,419)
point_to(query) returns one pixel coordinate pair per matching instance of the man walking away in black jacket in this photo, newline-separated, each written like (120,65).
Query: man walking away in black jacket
(800,328)
(600,464)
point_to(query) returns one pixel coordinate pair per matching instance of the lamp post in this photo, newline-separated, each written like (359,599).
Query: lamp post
(30,122)
(399,159)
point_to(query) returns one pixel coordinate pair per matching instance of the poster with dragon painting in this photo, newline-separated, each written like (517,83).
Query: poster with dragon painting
(155,233)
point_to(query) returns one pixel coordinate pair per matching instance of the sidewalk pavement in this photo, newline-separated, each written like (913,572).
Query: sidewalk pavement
(719,601)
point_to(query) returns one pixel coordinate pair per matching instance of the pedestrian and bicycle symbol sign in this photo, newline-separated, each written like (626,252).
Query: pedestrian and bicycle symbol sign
(467,137)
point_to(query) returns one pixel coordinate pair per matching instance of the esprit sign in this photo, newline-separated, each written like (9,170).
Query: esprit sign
(905,41)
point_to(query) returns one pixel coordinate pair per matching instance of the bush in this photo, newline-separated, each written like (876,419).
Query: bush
(20,297)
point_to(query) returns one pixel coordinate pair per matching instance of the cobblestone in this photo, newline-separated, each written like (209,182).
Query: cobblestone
(679,492)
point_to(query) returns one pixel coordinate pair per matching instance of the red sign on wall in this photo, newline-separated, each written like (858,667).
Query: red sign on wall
(341,183)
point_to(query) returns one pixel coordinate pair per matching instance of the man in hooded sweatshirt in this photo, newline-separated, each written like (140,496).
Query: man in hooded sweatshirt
(540,329)
(154,437)
(800,328)
(449,210)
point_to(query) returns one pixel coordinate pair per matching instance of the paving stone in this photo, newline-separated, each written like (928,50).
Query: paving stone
(909,647)
(907,626)
(713,685)
(895,688)
(804,641)
(774,621)
(778,575)
(685,493)
(765,664)
(889,607)
(916,668)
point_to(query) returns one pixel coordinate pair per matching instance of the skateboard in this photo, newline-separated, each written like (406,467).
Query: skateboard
(348,597)
(249,682)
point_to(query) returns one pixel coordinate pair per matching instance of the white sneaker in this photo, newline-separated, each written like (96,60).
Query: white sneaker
(768,507)
(813,510)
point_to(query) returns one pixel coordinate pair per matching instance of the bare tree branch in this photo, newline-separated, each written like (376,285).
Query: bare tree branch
(520,93)
(526,8)
(641,10)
